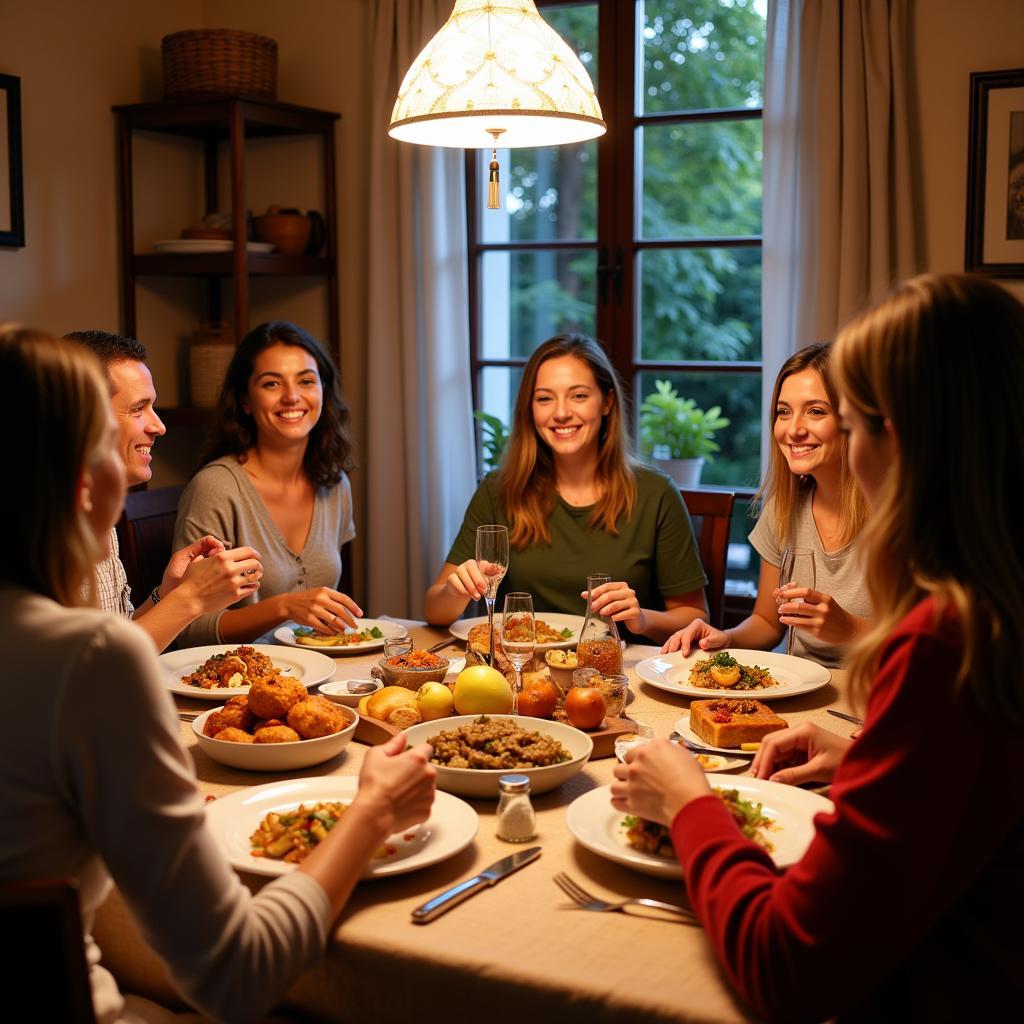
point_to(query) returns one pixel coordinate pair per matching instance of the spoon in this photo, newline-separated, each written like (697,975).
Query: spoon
(364,687)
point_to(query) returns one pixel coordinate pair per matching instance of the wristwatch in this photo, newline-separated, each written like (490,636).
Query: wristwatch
(154,595)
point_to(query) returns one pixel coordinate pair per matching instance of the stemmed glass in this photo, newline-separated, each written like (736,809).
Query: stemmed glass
(518,637)
(797,570)
(492,561)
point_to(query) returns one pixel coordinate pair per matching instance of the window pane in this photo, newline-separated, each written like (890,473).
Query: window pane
(700,179)
(529,296)
(699,304)
(700,54)
(739,397)
(498,386)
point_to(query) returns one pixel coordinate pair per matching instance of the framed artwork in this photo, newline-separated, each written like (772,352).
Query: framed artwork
(995,175)
(12,203)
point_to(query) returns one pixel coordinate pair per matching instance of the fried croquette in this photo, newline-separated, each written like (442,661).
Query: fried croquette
(232,735)
(265,723)
(274,697)
(228,717)
(316,717)
(276,734)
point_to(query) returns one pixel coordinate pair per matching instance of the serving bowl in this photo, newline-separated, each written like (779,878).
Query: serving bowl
(410,678)
(483,782)
(337,691)
(276,757)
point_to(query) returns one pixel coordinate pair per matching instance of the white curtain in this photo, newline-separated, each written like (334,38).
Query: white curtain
(841,221)
(419,461)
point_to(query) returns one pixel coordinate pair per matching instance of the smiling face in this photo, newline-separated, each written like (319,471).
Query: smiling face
(568,407)
(285,396)
(137,422)
(805,428)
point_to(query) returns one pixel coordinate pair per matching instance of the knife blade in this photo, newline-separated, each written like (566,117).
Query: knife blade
(489,876)
(674,737)
(846,717)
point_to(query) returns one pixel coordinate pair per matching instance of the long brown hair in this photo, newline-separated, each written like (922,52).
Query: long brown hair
(942,360)
(526,479)
(50,548)
(329,451)
(782,490)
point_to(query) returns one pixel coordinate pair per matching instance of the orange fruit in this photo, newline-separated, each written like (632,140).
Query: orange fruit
(538,700)
(585,707)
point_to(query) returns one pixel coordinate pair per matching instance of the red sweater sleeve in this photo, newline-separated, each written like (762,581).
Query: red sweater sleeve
(916,827)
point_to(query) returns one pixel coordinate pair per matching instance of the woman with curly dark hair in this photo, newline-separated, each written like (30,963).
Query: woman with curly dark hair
(275,473)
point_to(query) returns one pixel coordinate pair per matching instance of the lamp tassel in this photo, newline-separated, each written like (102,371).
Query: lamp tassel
(493,185)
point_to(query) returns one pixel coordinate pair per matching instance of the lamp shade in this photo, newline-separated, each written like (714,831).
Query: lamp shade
(496,67)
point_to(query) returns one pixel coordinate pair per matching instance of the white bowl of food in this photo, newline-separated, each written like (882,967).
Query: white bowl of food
(567,749)
(349,691)
(283,754)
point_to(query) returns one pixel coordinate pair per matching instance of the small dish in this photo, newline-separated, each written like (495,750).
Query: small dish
(338,691)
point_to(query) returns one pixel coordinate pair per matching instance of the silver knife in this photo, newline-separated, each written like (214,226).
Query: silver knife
(674,737)
(489,876)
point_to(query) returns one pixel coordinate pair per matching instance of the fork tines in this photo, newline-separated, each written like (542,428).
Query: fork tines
(572,890)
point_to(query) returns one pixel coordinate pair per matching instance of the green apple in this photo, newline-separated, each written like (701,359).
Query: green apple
(434,700)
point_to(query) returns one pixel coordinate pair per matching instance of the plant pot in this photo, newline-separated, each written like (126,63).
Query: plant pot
(685,473)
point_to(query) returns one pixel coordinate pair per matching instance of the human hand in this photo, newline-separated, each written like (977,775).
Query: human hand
(219,579)
(657,780)
(801,753)
(820,614)
(398,784)
(698,632)
(181,560)
(468,581)
(618,600)
(323,609)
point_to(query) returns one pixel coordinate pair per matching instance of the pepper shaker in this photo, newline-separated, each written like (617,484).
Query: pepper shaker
(517,822)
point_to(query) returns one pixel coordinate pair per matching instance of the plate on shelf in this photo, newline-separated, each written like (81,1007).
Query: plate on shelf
(671,672)
(309,667)
(451,827)
(595,824)
(286,635)
(206,245)
(461,627)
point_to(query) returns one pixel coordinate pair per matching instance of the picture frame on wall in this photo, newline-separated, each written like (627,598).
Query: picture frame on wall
(12,203)
(995,174)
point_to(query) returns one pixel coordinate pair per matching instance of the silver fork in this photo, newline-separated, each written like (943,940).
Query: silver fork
(586,901)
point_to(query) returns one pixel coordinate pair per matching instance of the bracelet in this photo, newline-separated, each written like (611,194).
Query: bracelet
(154,595)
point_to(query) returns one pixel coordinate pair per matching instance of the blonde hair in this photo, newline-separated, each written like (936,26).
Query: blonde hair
(51,548)
(782,490)
(941,360)
(526,479)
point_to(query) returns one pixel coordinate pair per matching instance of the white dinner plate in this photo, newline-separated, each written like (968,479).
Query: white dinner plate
(192,246)
(450,828)
(720,762)
(286,635)
(309,667)
(595,824)
(556,620)
(671,672)
(682,727)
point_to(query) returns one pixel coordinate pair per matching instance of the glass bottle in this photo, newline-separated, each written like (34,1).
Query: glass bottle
(599,645)
(517,822)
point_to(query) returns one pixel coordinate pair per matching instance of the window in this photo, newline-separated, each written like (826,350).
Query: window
(648,238)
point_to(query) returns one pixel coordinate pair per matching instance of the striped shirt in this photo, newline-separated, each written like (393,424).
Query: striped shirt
(112,590)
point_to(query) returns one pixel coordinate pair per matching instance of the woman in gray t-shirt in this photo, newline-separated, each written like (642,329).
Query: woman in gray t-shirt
(809,500)
(275,475)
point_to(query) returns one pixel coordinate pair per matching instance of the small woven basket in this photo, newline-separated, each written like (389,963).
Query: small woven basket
(209,356)
(219,61)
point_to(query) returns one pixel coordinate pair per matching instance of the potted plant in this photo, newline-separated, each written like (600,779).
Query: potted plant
(677,435)
(494,438)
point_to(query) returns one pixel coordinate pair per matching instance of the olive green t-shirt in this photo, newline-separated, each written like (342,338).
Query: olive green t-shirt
(654,551)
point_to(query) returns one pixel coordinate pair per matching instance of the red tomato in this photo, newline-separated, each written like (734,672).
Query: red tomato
(538,700)
(585,707)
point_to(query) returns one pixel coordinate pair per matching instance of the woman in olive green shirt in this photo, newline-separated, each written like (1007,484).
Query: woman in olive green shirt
(576,504)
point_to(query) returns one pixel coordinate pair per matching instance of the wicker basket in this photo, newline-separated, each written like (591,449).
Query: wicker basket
(219,61)
(211,352)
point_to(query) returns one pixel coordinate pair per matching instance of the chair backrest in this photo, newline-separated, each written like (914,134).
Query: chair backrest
(43,925)
(712,513)
(146,536)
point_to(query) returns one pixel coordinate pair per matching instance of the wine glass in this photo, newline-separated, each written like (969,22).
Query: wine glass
(797,570)
(492,561)
(518,637)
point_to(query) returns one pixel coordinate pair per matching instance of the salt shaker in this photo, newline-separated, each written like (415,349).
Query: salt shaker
(516,821)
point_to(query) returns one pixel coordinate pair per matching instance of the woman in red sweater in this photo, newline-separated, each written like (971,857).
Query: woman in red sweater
(906,904)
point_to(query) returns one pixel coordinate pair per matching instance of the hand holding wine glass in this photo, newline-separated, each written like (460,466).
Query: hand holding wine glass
(518,638)
(492,561)
(796,570)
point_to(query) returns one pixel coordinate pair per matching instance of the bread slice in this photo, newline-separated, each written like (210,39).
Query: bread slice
(728,723)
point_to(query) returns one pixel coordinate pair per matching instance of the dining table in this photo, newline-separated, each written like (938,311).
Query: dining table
(517,951)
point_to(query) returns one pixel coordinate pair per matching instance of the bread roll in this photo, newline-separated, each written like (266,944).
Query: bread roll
(385,702)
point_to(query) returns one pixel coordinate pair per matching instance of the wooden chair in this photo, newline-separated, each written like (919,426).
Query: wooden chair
(711,512)
(43,925)
(146,536)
